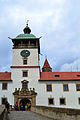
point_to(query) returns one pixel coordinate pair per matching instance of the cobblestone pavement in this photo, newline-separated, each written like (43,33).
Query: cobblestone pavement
(26,115)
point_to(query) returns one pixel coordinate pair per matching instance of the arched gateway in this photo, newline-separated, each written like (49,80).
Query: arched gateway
(25,95)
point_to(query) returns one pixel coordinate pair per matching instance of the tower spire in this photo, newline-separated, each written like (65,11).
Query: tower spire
(46,67)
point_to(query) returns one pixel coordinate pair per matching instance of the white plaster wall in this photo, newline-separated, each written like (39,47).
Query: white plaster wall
(17,77)
(17,59)
(33,73)
(33,77)
(7,93)
(57,92)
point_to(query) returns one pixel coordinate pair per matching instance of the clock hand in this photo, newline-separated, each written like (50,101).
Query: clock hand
(25,53)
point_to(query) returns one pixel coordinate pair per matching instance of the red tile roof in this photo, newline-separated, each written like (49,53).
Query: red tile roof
(5,76)
(59,76)
(46,64)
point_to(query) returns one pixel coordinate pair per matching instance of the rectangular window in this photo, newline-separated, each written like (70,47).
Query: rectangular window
(25,73)
(24,61)
(77,87)
(79,101)
(65,87)
(57,75)
(51,101)
(3,100)
(62,101)
(4,86)
(49,87)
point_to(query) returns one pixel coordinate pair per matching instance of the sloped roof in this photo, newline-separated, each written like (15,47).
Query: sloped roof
(5,76)
(53,76)
(46,64)
(26,36)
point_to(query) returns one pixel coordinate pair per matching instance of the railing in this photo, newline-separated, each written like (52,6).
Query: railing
(57,113)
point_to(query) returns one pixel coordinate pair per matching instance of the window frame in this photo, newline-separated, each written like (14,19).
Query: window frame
(6,86)
(79,100)
(2,99)
(64,101)
(76,86)
(26,60)
(23,73)
(67,87)
(47,87)
(49,99)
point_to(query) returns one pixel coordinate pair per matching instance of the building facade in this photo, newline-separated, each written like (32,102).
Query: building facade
(27,84)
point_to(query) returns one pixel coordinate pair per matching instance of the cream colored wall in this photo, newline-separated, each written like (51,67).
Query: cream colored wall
(33,73)
(17,59)
(33,76)
(57,92)
(7,93)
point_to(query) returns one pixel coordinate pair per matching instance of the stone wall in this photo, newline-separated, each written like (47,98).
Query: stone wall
(3,113)
(57,113)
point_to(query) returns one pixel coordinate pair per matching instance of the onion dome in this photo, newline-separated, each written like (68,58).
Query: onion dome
(27,30)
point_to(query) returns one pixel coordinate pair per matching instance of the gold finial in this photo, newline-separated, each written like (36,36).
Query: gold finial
(27,22)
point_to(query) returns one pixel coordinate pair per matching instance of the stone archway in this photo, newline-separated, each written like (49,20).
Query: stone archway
(25,94)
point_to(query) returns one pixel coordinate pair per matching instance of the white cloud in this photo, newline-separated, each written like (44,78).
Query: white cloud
(55,20)
(74,66)
(5,68)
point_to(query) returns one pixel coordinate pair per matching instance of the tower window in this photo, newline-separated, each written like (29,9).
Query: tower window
(65,87)
(4,86)
(62,101)
(25,73)
(25,61)
(33,43)
(24,43)
(51,101)
(78,87)
(49,87)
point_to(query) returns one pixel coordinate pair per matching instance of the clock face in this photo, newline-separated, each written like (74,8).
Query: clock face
(25,53)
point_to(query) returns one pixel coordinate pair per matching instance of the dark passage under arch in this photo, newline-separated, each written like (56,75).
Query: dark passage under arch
(24,101)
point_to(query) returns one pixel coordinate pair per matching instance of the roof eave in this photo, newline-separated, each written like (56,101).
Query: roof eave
(6,80)
(61,80)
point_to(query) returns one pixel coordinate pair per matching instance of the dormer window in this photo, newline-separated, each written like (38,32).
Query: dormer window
(57,75)
(78,75)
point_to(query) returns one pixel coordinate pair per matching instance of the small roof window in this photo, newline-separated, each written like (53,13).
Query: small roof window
(57,75)
(78,75)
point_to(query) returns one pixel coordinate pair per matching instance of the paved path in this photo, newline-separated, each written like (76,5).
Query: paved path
(26,115)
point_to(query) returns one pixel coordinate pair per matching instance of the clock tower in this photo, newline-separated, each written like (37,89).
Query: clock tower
(25,66)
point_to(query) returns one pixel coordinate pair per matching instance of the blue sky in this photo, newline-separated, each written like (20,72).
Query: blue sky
(57,21)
